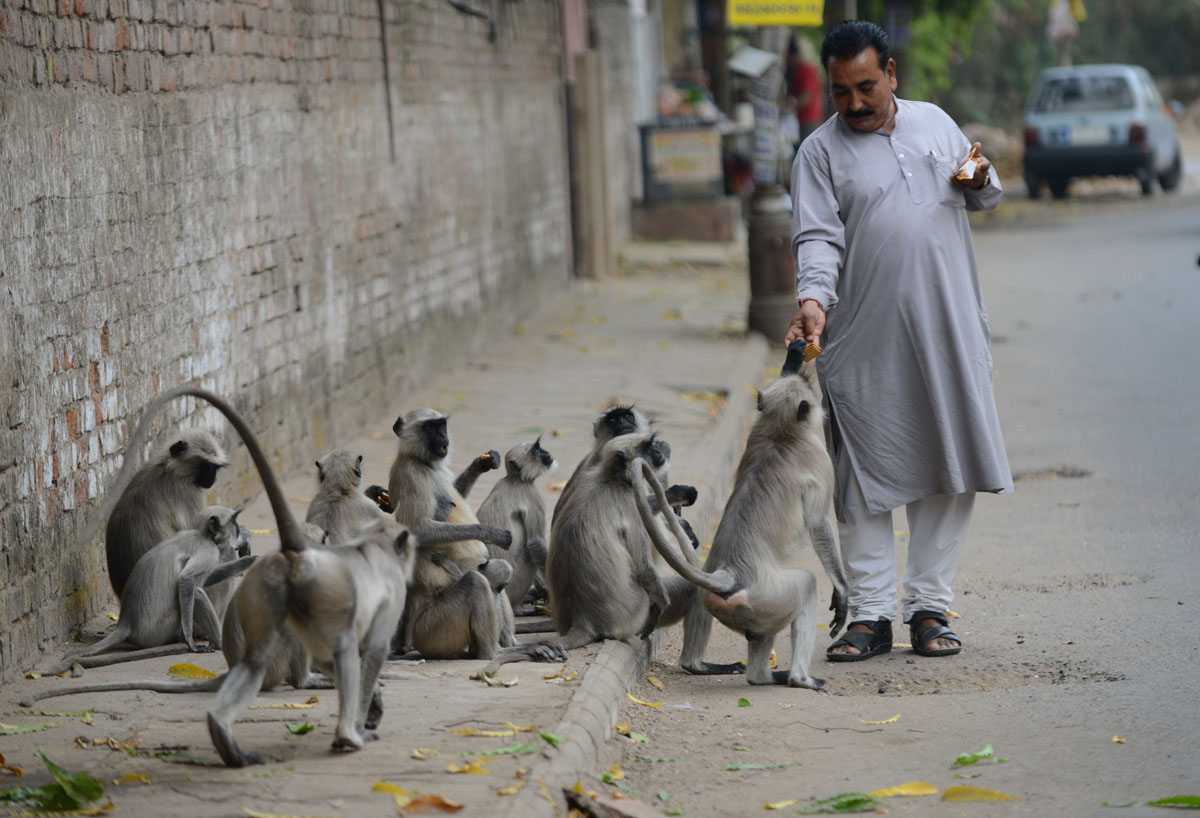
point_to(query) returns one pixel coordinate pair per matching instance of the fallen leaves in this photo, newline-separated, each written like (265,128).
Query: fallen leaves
(300,729)
(623,729)
(253,813)
(185,670)
(562,675)
(744,702)
(964,793)
(967,759)
(636,700)
(423,753)
(21,729)
(17,771)
(655,682)
(68,790)
(912,788)
(470,768)
(492,681)
(892,720)
(132,778)
(1118,740)
(512,789)
(1186,801)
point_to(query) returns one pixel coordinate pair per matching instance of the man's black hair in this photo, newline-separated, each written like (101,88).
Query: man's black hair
(849,38)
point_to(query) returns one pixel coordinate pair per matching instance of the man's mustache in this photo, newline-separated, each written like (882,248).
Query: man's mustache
(860,114)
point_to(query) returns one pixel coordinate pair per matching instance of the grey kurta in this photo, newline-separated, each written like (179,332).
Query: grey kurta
(881,240)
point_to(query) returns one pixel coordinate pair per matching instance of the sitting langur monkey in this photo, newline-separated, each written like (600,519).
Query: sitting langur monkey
(782,491)
(623,419)
(604,583)
(515,501)
(288,660)
(450,616)
(343,603)
(165,593)
(339,507)
(162,499)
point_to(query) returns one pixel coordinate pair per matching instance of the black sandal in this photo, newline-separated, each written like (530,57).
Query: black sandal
(878,641)
(922,636)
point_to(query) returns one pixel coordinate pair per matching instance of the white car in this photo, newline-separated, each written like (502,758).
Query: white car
(1099,120)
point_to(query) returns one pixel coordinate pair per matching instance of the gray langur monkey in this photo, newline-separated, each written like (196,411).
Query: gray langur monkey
(623,419)
(163,498)
(166,590)
(604,583)
(515,501)
(450,614)
(344,603)
(783,491)
(288,659)
(339,508)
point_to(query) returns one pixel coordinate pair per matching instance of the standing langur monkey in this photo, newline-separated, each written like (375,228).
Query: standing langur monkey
(783,491)
(451,614)
(344,603)
(516,502)
(163,498)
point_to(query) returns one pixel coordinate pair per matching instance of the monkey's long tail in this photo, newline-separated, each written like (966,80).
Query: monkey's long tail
(719,582)
(290,536)
(153,685)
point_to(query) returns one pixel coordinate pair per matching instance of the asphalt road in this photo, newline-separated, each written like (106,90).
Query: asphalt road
(1076,594)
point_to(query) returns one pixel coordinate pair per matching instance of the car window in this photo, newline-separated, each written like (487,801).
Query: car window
(1152,95)
(1085,93)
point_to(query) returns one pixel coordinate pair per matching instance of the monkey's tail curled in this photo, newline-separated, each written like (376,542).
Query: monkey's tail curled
(721,582)
(290,536)
(153,685)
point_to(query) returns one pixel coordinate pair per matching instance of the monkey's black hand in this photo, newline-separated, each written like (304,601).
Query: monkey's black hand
(839,608)
(680,495)
(500,537)
(202,649)
(379,496)
(488,460)
(440,560)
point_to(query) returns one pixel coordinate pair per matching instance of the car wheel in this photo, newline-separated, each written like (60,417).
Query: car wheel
(1170,178)
(1058,187)
(1034,185)
(1146,180)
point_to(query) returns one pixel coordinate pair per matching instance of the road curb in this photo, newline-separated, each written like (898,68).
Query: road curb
(589,718)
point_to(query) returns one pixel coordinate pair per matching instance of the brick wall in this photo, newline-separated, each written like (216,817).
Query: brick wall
(210,192)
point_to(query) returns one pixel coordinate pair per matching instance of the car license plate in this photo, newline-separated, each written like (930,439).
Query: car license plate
(1088,134)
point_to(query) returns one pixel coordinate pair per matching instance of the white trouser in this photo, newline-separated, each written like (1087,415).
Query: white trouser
(937,528)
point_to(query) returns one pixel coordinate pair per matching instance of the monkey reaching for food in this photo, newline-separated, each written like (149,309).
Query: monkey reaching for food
(783,491)
(515,501)
(165,592)
(162,499)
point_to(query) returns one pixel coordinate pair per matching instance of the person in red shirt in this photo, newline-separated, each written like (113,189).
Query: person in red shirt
(804,87)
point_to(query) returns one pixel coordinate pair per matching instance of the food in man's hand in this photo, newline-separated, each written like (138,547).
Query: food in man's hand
(966,170)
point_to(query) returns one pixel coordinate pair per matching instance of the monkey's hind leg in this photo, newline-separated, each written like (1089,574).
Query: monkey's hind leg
(460,620)
(348,674)
(804,630)
(697,628)
(261,602)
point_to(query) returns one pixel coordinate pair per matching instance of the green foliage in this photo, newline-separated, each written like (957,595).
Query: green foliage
(68,791)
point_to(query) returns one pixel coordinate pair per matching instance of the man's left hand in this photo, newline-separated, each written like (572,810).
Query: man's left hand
(982,166)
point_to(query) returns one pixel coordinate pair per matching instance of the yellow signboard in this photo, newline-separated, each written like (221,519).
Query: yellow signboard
(775,12)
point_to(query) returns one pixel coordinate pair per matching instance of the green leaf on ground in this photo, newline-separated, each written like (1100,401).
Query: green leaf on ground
(550,738)
(967,759)
(844,803)
(673,811)
(1185,801)
(651,760)
(20,729)
(68,791)
(301,728)
(967,775)
(508,749)
(664,796)
(743,702)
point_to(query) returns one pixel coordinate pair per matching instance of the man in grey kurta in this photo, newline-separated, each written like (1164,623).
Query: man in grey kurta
(886,269)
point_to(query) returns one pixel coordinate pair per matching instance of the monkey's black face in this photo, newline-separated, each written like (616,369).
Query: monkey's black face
(656,452)
(437,438)
(620,421)
(541,455)
(206,474)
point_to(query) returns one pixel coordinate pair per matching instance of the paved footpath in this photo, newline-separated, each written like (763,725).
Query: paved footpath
(668,333)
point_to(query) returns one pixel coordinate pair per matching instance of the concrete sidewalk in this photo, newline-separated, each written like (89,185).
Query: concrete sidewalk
(668,333)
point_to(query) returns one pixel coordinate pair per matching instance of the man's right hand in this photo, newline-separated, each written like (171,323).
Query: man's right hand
(808,323)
